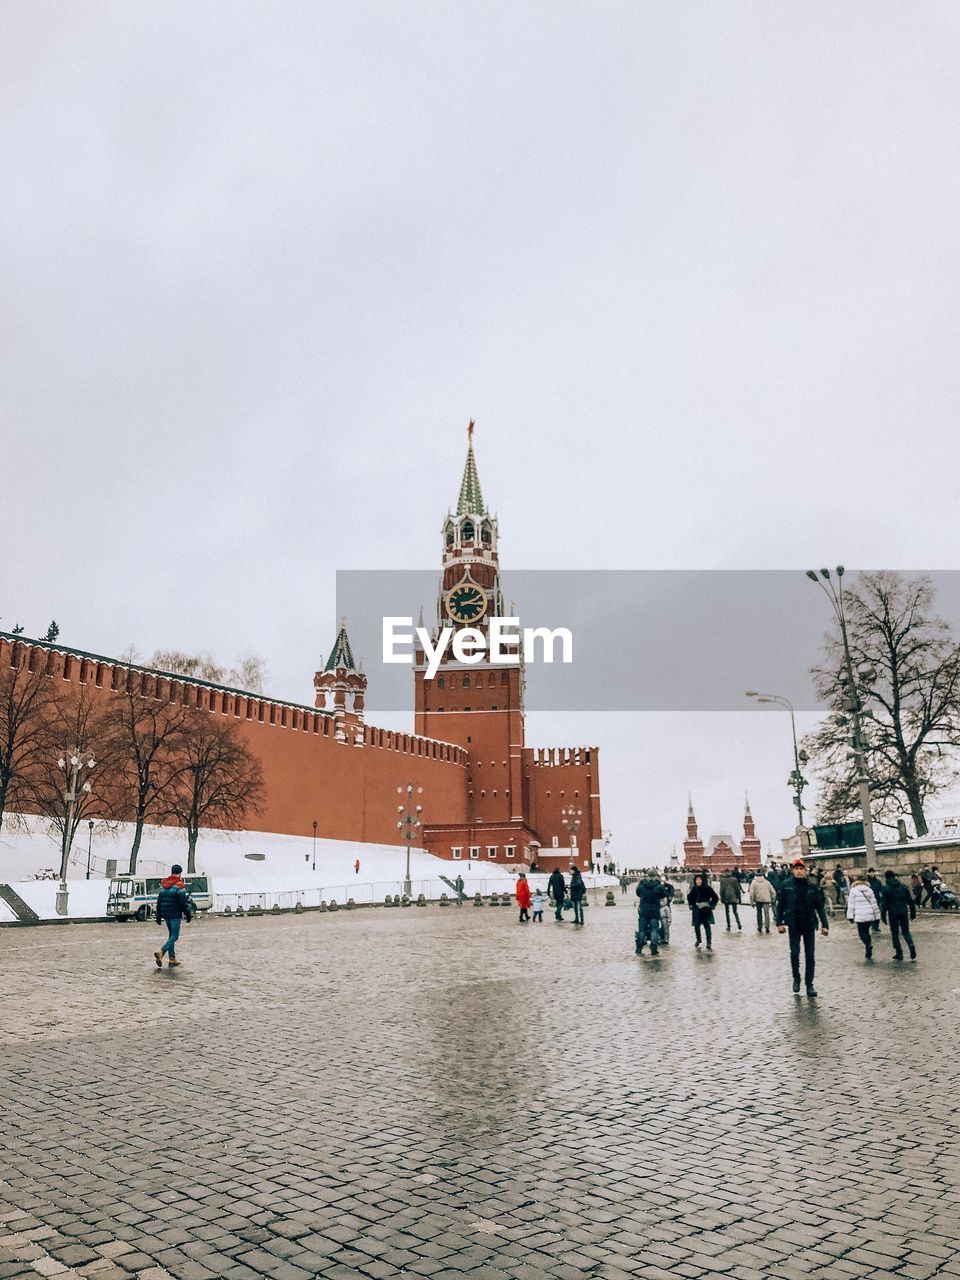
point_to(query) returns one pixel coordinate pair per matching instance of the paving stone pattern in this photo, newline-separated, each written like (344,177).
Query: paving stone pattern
(444,1093)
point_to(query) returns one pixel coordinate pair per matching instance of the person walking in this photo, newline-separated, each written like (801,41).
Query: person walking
(666,912)
(624,882)
(557,889)
(650,894)
(864,911)
(730,896)
(916,888)
(701,900)
(899,907)
(875,883)
(842,884)
(538,900)
(173,905)
(926,880)
(523,897)
(578,894)
(762,895)
(799,909)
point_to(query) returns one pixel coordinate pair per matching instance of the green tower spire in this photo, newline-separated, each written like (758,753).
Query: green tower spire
(470,501)
(341,655)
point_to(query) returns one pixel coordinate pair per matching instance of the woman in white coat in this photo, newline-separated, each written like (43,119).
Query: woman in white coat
(863,910)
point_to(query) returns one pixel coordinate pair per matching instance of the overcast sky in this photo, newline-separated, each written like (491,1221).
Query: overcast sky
(693,269)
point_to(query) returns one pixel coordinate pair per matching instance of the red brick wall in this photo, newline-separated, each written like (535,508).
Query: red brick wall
(308,774)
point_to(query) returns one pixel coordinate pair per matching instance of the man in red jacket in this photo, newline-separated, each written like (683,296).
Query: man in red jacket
(523,897)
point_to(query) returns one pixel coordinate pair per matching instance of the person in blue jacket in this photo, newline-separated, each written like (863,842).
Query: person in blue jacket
(173,905)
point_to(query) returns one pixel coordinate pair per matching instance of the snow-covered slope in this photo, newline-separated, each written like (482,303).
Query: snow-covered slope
(244,867)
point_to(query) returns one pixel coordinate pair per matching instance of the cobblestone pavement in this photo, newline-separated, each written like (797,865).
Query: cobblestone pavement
(444,1093)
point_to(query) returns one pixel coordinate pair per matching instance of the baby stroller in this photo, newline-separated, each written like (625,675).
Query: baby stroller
(944,898)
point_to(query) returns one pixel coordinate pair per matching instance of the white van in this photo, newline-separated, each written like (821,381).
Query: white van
(136,896)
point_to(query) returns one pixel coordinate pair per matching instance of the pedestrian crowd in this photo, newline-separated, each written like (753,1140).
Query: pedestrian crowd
(795,901)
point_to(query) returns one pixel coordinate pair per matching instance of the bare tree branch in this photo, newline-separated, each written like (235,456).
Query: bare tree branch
(219,781)
(911,704)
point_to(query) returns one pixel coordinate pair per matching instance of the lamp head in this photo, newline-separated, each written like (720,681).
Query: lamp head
(825,574)
(811,575)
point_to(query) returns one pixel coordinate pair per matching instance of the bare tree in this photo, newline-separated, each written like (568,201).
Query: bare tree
(26,699)
(218,783)
(199,666)
(908,671)
(148,737)
(74,770)
(249,673)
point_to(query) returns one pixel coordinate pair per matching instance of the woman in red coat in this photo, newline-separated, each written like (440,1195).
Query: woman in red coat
(523,897)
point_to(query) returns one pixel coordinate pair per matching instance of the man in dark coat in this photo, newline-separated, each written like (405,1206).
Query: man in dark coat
(173,905)
(557,888)
(651,892)
(899,908)
(578,894)
(800,906)
(877,886)
(730,895)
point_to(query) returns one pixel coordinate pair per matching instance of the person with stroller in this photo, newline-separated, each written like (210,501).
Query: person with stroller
(916,888)
(650,895)
(701,900)
(864,910)
(926,879)
(899,908)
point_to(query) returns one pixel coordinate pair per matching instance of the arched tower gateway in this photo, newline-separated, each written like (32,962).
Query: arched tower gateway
(513,804)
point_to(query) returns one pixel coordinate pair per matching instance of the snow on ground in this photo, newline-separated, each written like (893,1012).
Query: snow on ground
(246,868)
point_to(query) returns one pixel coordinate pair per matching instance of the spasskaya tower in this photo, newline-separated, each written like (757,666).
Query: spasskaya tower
(479,706)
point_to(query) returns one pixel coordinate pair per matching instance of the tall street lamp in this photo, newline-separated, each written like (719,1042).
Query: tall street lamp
(314,844)
(89,845)
(72,768)
(852,703)
(409,824)
(796,780)
(570,816)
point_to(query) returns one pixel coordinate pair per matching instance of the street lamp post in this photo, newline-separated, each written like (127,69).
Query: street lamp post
(796,780)
(72,768)
(314,844)
(853,704)
(89,845)
(570,817)
(409,824)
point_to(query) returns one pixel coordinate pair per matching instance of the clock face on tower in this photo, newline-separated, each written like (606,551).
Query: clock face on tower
(465,603)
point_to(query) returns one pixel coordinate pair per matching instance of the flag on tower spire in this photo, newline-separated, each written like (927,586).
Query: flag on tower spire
(470,501)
